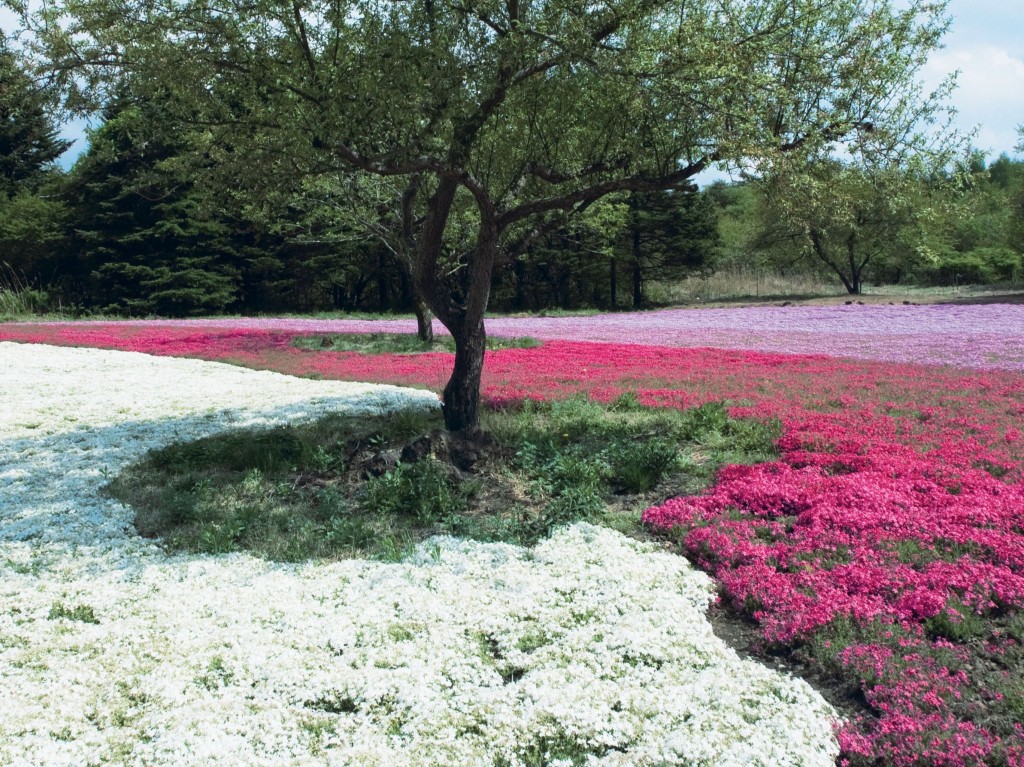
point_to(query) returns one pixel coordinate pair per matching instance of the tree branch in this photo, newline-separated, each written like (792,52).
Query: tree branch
(585,196)
(307,53)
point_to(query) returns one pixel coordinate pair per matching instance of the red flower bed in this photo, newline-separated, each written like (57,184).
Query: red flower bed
(886,544)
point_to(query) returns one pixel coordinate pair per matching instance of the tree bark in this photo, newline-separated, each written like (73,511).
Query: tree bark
(424,320)
(461,397)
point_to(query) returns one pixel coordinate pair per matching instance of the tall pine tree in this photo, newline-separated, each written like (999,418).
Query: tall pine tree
(672,233)
(29,142)
(31,220)
(148,240)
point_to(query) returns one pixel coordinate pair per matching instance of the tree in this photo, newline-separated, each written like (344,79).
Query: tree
(1008,175)
(31,220)
(736,206)
(29,142)
(32,235)
(147,239)
(670,234)
(502,117)
(844,215)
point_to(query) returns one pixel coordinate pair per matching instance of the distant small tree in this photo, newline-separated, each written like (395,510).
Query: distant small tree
(846,216)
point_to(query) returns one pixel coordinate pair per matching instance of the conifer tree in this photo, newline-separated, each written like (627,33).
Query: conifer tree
(29,136)
(147,239)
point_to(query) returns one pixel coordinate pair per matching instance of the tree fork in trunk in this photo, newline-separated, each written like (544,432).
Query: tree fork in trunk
(461,397)
(818,243)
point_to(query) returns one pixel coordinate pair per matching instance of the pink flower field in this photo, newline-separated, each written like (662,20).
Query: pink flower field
(885,546)
(985,336)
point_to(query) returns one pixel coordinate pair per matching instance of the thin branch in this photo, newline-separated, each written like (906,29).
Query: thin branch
(307,53)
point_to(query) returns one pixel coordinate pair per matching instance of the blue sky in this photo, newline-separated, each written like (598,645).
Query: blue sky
(985,43)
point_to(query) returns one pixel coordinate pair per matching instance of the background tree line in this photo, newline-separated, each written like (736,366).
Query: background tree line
(884,226)
(130,230)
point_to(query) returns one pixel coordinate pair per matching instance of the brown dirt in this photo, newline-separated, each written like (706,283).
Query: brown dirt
(909,297)
(742,635)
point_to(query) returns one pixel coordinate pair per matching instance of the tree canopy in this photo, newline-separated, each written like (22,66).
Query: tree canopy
(498,118)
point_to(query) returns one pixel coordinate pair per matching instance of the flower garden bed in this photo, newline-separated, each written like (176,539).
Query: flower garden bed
(590,648)
(987,336)
(885,546)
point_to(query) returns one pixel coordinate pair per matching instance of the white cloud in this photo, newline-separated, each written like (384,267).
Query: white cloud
(8,20)
(989,94)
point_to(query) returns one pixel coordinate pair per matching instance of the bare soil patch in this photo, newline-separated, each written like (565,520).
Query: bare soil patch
(908,297)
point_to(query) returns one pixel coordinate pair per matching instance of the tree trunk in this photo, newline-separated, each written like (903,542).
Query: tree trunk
(638,278)
(424,320)
(462,392)
(460,401)
(854,285)
(613,282)
(818,243)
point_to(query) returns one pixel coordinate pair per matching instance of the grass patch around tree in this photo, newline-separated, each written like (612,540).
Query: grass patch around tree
(397,343)
(347,486)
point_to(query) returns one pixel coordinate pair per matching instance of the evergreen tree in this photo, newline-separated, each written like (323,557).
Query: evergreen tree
(147,239)
(31,220)
(672,234)
(29,142)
